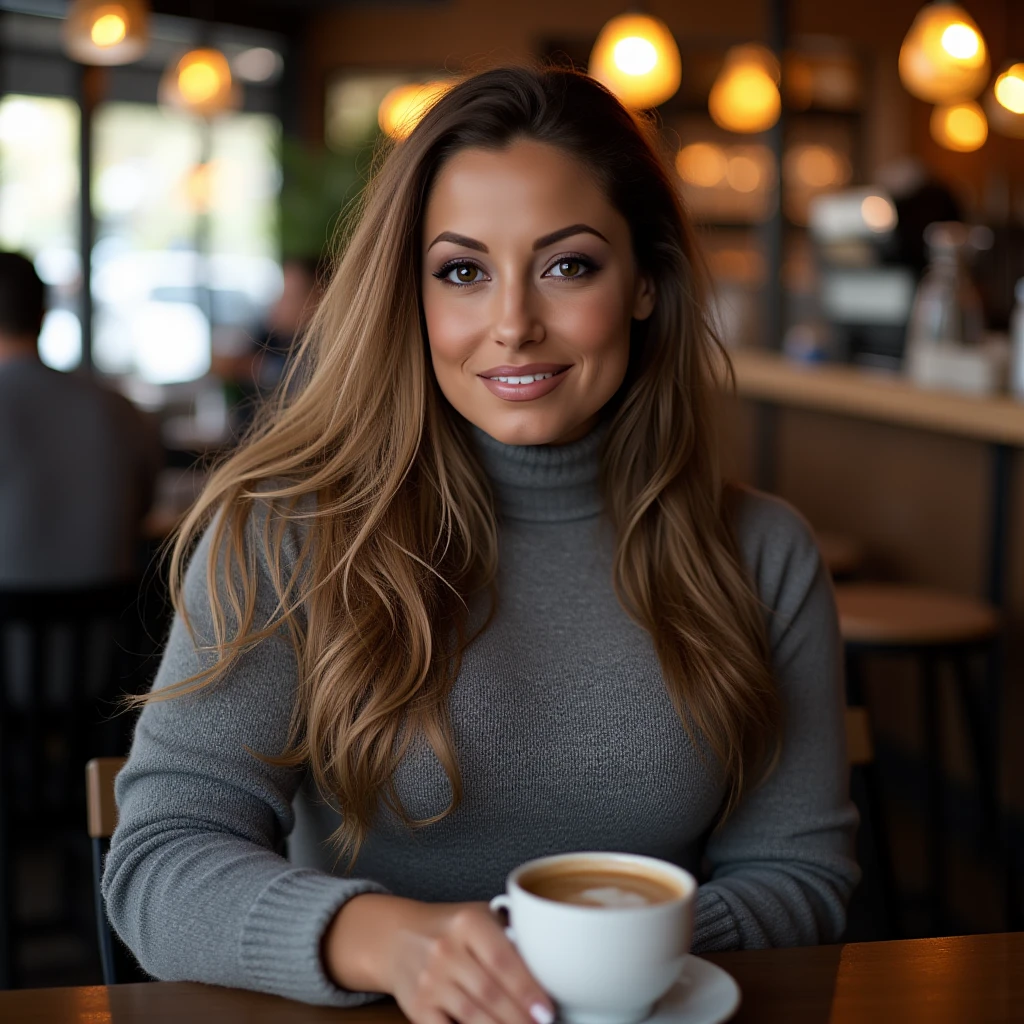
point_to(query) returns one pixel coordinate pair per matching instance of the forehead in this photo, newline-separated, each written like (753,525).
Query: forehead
(528,186)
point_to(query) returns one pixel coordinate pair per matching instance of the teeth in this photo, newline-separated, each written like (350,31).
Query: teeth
(528,379)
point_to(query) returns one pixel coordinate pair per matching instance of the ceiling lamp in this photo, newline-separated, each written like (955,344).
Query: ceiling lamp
(960,127)
(944,58)
(1004,104)
(97,32)
(201,83)
(636,58)
(403,107)
(745,97)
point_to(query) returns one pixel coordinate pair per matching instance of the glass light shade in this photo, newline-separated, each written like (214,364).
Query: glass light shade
(961,127)
(1004,102)
(106,32)
(745,96)
(636,58)
(201,83)
(403,107)
(944,58)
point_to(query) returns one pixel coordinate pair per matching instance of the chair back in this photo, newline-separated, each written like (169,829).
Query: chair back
(65,658)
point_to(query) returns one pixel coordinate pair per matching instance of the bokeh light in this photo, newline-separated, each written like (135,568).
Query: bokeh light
(961,127)
(637,59)
(944,58)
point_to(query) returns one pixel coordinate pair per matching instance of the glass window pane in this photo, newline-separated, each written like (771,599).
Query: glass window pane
(39,210)
(177,239)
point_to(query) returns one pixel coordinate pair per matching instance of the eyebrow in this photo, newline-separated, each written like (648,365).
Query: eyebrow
(541,243)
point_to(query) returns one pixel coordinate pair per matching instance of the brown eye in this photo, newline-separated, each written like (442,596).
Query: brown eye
(568,269)
(464,273)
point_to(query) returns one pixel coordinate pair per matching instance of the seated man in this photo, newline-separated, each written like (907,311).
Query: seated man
(77,461)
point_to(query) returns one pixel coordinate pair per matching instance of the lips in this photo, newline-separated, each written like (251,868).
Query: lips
(509,392)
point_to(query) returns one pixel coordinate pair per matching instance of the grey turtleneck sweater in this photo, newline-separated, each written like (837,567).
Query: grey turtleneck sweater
(566,738)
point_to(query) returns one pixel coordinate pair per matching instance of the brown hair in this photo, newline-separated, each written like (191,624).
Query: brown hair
(396,516)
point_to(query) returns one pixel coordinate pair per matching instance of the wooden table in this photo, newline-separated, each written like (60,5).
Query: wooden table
(973,980)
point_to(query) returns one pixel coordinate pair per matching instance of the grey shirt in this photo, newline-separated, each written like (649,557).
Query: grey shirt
(566,738)
(77,468)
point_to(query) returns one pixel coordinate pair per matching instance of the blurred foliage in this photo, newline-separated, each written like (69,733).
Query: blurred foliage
(317,187)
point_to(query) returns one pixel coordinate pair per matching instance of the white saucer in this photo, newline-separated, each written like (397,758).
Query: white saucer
(704,994)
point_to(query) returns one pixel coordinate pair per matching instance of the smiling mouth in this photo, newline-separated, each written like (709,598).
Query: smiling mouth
(528,378)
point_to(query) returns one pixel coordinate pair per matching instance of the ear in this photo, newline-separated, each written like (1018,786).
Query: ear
(643,297)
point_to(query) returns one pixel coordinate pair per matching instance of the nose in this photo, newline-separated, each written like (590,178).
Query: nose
(516,322)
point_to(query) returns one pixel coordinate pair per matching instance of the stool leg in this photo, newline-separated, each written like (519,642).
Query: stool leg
(936,845)
(985,749)
(855,679)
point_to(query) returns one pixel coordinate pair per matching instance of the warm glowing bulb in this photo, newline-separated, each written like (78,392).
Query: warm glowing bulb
(817,166)
(198,82)
(702,164)
(961,127)
(960,41)
(108,29)
(745,97)
(404,106)
(944,58)
(1009,89)
(636,58)
(878,213)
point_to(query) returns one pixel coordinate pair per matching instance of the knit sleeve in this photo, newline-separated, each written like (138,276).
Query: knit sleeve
(782,866)
(195,882)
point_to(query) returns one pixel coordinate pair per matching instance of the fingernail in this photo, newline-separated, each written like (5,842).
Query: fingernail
(541,1014)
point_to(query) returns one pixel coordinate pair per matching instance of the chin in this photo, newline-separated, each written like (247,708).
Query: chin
(526,429)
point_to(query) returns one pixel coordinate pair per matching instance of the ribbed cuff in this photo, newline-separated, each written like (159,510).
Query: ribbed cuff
(280,943)
(714,927)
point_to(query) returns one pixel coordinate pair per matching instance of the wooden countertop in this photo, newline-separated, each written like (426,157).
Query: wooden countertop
(978,978)
(874,395)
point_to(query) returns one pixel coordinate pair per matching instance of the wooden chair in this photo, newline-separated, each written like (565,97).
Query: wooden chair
(101,809)
(937,629)
(65,658)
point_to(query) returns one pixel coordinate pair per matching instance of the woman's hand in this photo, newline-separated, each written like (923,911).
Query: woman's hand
(442,962)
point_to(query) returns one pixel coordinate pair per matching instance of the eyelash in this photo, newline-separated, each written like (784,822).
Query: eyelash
(587,262)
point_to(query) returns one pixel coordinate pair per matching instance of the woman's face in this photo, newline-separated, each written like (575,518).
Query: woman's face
(528,272)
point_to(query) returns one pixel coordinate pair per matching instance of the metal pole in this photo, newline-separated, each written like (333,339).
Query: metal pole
(89,87)
(773,231)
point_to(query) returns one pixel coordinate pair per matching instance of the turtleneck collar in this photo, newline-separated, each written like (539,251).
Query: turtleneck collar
(544,483)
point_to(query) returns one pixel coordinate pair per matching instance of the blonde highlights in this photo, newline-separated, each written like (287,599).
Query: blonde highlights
(367,469)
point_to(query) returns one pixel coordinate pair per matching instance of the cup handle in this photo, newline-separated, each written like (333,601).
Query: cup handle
(502,902)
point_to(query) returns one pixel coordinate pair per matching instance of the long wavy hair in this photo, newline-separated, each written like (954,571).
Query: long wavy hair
(364,460)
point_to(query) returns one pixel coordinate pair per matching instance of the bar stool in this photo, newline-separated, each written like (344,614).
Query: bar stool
(936,628)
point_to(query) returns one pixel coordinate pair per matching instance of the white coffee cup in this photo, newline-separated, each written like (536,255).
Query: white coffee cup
(602,964)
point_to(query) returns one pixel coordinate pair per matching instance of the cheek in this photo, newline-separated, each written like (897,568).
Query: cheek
(451,329)
(596,323)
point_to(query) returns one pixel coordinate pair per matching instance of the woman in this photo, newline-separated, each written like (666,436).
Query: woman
(475,594)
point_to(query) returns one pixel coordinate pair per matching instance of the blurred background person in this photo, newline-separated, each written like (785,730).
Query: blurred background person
(78,462)
(252,375)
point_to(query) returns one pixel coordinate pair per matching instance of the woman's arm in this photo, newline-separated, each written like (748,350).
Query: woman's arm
(783,865)
(196,885)
(195,881)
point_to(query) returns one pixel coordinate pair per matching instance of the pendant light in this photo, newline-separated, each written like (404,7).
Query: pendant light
(636,58)
(106,33)
(944,58)
(200,82)
(1004,103)
(403,107)
(745,96)
(961,127)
